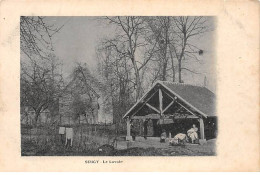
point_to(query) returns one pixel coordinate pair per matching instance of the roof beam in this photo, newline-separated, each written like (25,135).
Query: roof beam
(167,107)
(146,117)
(153,108)
(196,109)
(144,103)
(174,99)
(187,109)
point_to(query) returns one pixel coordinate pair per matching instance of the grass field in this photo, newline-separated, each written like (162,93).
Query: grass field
(100,145)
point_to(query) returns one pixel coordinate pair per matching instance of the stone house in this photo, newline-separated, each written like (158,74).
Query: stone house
(84,101)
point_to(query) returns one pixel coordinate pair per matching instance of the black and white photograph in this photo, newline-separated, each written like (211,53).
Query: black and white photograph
(118,86)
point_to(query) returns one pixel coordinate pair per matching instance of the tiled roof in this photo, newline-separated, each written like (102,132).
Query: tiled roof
(198,97)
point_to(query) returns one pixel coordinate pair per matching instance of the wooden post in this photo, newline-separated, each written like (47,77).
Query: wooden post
(160,102)
(161,105)
(140,127)
(202,134)
(128,129)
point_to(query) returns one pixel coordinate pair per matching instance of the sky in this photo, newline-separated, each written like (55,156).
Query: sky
(77,40)
(79,37)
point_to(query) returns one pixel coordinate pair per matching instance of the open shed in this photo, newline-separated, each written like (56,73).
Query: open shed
(170,101)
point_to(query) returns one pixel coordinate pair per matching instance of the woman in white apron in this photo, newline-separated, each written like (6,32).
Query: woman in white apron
(193,133)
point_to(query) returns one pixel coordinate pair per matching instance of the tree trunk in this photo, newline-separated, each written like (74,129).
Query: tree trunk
(138,81)
(173,71)
(165,60)
(173,68)
(179,71)
(164,71)
(182,53)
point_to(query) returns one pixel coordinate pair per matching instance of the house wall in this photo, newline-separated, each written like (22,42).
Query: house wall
(105,111)
(99,111)
(67,115)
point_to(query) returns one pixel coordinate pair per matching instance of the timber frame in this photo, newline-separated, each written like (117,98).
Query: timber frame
(175,105)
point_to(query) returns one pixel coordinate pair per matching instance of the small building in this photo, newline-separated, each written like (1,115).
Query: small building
(175,107)
(84,101)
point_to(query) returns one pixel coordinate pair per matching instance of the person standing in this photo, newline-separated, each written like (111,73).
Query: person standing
(163,136)
(145,128)
(133,132)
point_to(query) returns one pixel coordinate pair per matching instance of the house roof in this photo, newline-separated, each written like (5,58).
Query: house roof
(198,98)
(88,79)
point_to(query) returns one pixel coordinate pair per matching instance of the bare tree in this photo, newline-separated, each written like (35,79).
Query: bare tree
(144,49)
(159,27)
(127,41)
(36,36)
(184,29)
(175,37)
(117,72)
(40,76)
(40,87)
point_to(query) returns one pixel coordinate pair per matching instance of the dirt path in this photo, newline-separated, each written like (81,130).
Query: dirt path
(164,149)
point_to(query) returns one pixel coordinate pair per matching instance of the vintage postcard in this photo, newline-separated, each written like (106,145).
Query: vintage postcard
(129,86)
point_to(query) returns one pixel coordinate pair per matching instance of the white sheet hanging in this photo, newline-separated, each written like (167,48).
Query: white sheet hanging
(62,130)
(69,135)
